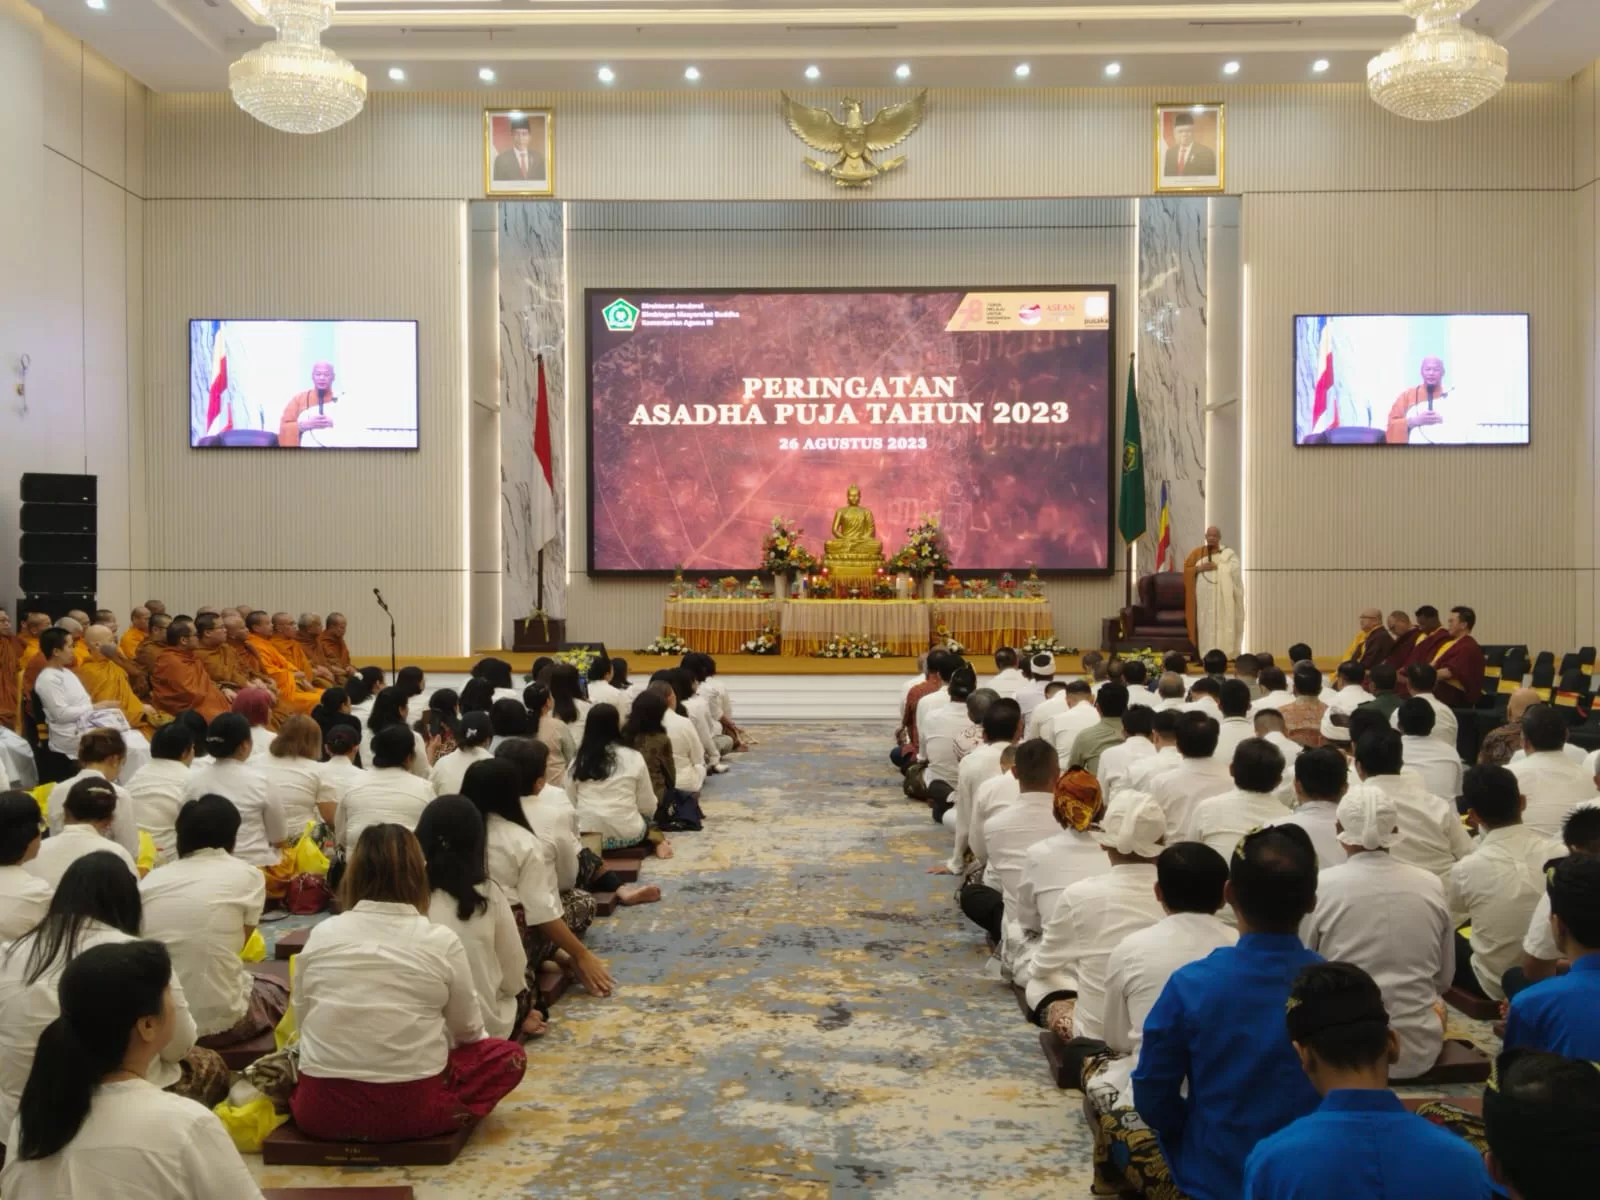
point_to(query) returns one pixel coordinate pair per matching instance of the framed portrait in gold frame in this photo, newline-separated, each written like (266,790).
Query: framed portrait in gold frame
(518,152)
(1190,152)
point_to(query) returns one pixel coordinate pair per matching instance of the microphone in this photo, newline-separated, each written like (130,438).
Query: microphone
(1431,388)
(379,595)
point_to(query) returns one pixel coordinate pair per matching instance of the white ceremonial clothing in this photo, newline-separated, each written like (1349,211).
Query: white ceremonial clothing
(1140,696)
(1346,699)
(992,795)
(1040,717)
(1219,605)
(1438,764)
(523,865)
(1180,790)
(294,782)
(157,795)
(1230,732)
(1006,834)
(70,713)
(261,739)
(1116,761)
(938,741)
(905,694)
(381,994)
(688,755)
(619,806)
(1391,920)
(1431,833)
(335,778)
(977,768)
(137,1143)
(1007,683)
(1320,820)
(261,825)
(1049,868)
(494,953)
(451,768)
(124,826)
(1221,820)
(1274,699)
(1091,918)
(1030,696)
(1497,887)
(1554,785)
(1136,972)
(199,908)
(1143,772)
(552,816)
(16,761)
(60,851)
(24,900)
(601,691)
(1289,748)
(1063,729)
(385,796)
(1445,725)
(1205,704)
(934,699)
(698,706)
(1540,940)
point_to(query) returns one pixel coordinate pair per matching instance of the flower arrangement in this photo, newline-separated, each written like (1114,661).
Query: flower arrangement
(943,640)
(668,644)
(781,551)
(730,584)
(580,657)
(1008,584)
(1150,658)
(765,642)
(1038,644)
(926,552)
(851,646)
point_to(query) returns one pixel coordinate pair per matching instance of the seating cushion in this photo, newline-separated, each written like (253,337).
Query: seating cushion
(398,1192)
(1459,1061)
(286,1146)
(1067,1059)
(605,903)
(627,869)
(241,1054)
(1476,1007)
(290,943)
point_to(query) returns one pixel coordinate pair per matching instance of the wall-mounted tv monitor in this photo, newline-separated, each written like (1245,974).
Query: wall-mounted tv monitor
(1436,379)
(712,412)
(307,385)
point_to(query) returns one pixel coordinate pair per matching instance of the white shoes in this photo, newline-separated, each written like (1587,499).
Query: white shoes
(719,769)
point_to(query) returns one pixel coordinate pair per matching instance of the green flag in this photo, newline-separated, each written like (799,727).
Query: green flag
(1130,514)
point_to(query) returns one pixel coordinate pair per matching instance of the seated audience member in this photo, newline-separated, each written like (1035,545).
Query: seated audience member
(1007,680)
(392,1043)
(1302,716)
(1139,725)
(291,770)
(339,773)
(1382,682)
(497,673)
(1541,957)
(611,786)
(1562,1015)
(440,724)
(1078,714)
(203,908)
(1431,834)
(705,706)
(1247,670)
(1390,919)
(361,690)
(392,708)
(1269,725)
(410,682)
(255,706)
(926,683)
(1198,776)
(1299,652)
(1001,725)
(472,738)
(1136,678)
(688,751)
(523,865)
(603,691)
(68,711)
(526,718)
(1215,664)
(939,741)
(1170,691)
(1504,743)
(1190,879)
(1497,886)
(158,791)
(24,897)
(1420,680)
(1175,662)
(469,904)
(1065,978)
(721,706)
(100,756)
(566,697)
(262,830)
(1553,783)
(389,793)
(1540,1112)
(87,818)
(1438,764)
(1218,1025)
(1001,839)
(1164,737)
(1052,706)
(1275,690)
(477,695)
(646,732)
(992,795)
(96,902)
(1360,1140)
(1221,820)
(325,644)
(1040,671)
(1110,702)
(1320,780)
(1205,696)
(1348,690)
(333,708)
(1055,863)
(620,680)
(89,1114)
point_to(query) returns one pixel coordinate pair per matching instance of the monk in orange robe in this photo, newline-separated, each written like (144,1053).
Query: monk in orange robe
(104,680)
(294,690)
(307,412)
(286,641)
(151,648)
(10,672)
(1413,408)
(138,630)
(329,648)
(179,681)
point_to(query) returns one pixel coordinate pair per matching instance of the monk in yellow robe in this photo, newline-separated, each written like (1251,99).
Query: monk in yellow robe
(294,690)
(105,680)
(138,630)
(286,641)
(179,681)
(10,672)
(330,650)
(152,646)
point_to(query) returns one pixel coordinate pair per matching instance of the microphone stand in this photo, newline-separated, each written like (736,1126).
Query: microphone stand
(392,667)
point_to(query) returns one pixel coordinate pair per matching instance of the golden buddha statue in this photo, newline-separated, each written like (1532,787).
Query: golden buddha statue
(854,548)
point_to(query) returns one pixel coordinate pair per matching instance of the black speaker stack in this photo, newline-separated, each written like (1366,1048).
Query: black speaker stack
(59,544)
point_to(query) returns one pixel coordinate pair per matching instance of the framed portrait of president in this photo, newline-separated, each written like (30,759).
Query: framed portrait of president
(1190,150)
(518,152)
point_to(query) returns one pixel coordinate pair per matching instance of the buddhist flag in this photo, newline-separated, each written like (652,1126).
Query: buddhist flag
(1164,533)
(542,514)
(1130,515)
(1324,408)
(219,413)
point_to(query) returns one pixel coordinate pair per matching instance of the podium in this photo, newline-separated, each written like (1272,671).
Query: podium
(1346,435)
(240,438)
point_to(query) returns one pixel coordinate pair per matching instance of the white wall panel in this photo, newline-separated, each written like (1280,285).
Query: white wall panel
(135,97)
(105,377)
(105,125)
(55,382)
(63,92)
(133,427)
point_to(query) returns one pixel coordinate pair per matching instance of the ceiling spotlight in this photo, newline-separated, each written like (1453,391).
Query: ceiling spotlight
(1231,67)
(97,5)
(1113,69)
(397,75)
(486,74)
(1023,70)
(813,72)
(692,74)
(606,75)
(1320,65)
(903,71)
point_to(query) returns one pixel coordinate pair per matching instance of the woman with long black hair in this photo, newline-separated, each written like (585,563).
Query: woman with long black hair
(391,707)
(610,786)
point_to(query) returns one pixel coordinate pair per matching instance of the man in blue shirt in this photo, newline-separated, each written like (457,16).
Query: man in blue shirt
(1218,1025)
(1562,1015)
(1361,1141)
(1540,1114)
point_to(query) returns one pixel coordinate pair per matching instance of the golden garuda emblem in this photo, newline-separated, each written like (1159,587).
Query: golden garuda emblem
(854,140)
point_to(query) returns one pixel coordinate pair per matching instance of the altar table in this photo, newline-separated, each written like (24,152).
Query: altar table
(983,626)
(718,626)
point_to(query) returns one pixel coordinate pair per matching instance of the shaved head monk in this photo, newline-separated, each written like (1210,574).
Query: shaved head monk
(75,627)
(330,651)
(307,412)
(287,642)
(81,617)
(104,616)
(157,608)
(180,681)
(308,632)
(153,645)
(1414,408)
(10,671)
(295,694)
(138,630)
(105,680)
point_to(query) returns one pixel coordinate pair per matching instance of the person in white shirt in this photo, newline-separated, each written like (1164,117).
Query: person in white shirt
(390,709)
(1007,680)
(1235,724)
(568,706)
(1065,978)
(389,793)
(1270,726)
(941,739)
(472,745)
(203,908)
(611,788)
(688,752)
(1320,781)
(1039,671)
(1438,764)
(1136,678)
(1541,956)
(1078,714)
(87,817)
(1205,696)
(263,831)
(1221,820)
(1001,724)
(603,691)
(339,774)
(361,689)
(291,772)
(1056,863)
(101,1120)
(255,706)
(1198,776)
(713,697)
(1275,690)
(1116,761)
(1189,885)
(1054,704)
(68,710)
(1143,772)
(99,757)
(158,791)
(1431,833)
(1000,841)
(1498,886)
(1170,692)
(383,997)
(24,897)
(1347,694)
(467,902)
(1421,677)
(1552,782)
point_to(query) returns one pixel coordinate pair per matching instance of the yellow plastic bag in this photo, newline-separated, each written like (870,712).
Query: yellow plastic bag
(249,1124)
(42,795)
(287,1031)
(308,856)
(255,950)
(147,853)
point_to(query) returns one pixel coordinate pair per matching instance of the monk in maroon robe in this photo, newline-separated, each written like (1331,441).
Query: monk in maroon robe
(1459,661)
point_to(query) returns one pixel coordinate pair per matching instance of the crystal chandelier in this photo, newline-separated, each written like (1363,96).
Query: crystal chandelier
(1441,70)
(294,82)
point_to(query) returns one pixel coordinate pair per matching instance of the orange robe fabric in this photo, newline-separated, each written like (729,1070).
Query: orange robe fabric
(289,423)
(1397,431)
(10,680)
(30,677)
(328,651)
(292,649)
(147,653)
(131,641)
(180,682)
(225,665)
(104,680)
(281,671)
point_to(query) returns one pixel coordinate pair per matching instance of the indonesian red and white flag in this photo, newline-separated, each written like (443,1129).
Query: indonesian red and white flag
(219,412)
(542,501)
(1324,407)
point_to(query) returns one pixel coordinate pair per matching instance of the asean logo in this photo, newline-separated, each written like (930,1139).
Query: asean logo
(620,316)
(1130,457)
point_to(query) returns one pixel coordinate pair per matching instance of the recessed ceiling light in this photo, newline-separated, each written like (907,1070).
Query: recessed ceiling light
(1320,65)
(813,72)
(903,71)
(486,74)
(1113,69)
(606,74)
(692,74)
(396,74)
(97,5)
(1231,67)
(1023,70)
